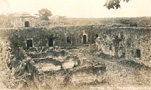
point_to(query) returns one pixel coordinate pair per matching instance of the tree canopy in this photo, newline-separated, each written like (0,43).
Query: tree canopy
(114,4)
(44,14)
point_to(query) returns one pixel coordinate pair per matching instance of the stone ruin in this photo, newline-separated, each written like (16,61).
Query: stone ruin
(119,42)
(36,50)
(24,21)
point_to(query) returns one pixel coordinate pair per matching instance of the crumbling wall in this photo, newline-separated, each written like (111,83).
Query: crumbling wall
(20,58)
(40,36)
(20,21)
(117,42)
(128,43)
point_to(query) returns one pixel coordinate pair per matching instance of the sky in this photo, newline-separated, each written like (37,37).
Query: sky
(78,8)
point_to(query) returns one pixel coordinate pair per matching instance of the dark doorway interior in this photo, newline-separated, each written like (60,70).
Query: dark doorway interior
(68,40)
(27,24)
(84,38)
(138,53)
(96,35)
(50,42)
(29,44)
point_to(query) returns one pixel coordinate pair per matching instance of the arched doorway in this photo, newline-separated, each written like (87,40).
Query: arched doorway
(96,35)
(27,24)
(138,53)
(51,42)
(29,44)
(69,40)
(84,38)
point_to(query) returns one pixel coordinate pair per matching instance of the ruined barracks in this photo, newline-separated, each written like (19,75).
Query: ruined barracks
(131,43)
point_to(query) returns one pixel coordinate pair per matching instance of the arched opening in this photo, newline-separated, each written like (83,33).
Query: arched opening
(84,38)
(50,41)
(69,40)
(27,24)
(96,35)
(138,53)
(29,44)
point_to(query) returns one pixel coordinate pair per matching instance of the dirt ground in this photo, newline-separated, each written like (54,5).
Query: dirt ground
(120,74)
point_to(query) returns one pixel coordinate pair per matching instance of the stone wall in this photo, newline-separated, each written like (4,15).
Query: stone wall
(131,43)
(18,38)
(127,43)
(20,21)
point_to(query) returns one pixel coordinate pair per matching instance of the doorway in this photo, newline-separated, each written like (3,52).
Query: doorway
(138,53)
(50,42)
(68,40)
(29,44)
(84,38)
(27,24)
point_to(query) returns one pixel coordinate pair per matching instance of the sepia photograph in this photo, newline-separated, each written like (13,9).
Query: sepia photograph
(75,44)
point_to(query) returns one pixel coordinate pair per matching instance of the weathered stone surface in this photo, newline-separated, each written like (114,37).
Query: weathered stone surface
(49,67)
(70,62)
(83,78)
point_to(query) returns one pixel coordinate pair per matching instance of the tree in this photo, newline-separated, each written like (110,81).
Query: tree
(112,4)
(44,14)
